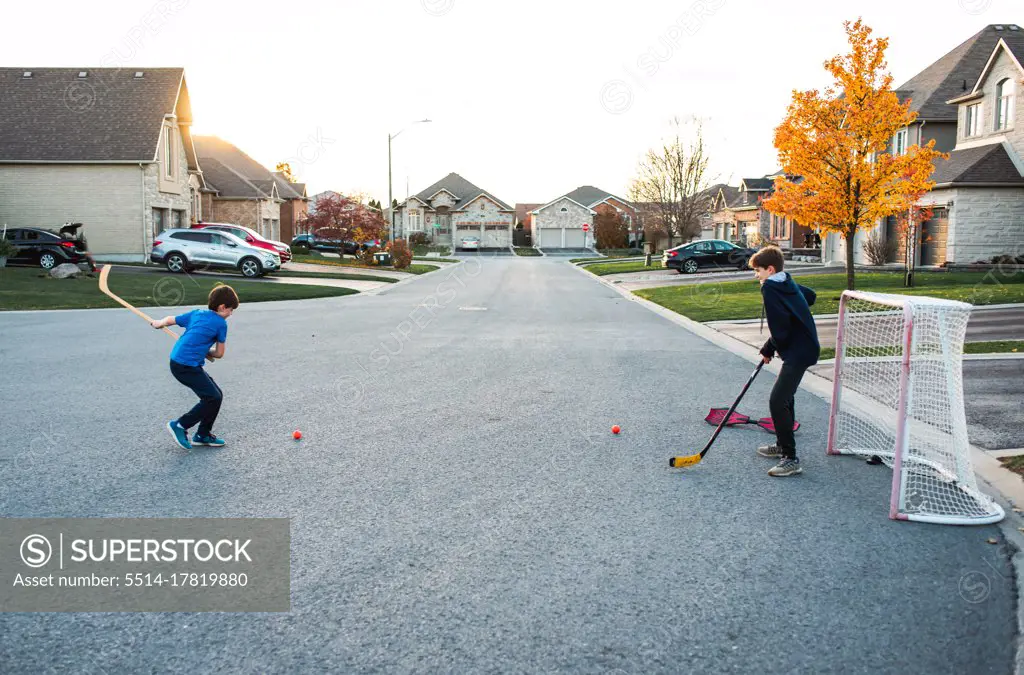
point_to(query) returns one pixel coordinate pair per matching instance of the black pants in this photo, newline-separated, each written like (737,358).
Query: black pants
(210,396)
(781,405)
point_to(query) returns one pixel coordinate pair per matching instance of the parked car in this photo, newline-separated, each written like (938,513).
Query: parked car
(185,250)
(303,240)
(352,247)
(251,237)
(470,243)
(688,258)
(47,249)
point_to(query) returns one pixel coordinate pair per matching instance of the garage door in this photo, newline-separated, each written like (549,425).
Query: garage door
(934,234)
(574,238)
(550,238)
(499,238)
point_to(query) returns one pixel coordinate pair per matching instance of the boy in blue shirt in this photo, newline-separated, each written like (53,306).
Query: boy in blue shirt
(204,328)
(794,337)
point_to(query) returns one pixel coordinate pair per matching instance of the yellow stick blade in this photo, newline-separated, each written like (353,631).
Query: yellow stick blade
(684,460)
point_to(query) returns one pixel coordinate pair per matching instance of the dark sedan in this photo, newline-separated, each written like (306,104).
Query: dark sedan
(47,249)
(688,258)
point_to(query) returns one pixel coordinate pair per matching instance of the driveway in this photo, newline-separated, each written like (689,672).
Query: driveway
(487,521)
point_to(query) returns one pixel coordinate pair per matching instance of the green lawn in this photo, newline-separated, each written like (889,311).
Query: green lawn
(423,250)
(31,288)
(440,260)
(602,269)
(994,347)
(526,251)
(718,301)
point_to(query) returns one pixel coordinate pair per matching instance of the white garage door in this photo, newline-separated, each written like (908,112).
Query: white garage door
(550,238)
(574,238)
(499,238)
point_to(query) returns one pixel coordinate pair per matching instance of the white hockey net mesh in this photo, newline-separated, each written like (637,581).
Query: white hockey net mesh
(935,480)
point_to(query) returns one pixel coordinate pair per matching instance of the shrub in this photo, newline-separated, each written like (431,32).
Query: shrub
(879,249)
(419,239)
(7,249)
(300,249)
(366,257)
(401,254)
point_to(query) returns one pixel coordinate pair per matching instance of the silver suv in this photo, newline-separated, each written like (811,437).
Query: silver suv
(186,250)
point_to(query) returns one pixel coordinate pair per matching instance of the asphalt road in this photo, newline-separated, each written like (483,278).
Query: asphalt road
(459,505)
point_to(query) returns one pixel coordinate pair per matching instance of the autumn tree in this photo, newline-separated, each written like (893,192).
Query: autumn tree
(610,230)
(672,181)
(338,217)
(286,169)
(832,145)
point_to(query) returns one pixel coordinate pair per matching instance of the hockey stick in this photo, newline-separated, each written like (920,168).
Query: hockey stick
(716,415)
(104,275)
(690,460)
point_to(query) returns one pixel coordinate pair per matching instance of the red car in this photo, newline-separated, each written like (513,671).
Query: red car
(251,237)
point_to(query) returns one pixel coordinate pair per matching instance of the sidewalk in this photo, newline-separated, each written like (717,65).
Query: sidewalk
(987,324)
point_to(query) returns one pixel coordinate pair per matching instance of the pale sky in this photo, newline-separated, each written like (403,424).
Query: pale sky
(529,99)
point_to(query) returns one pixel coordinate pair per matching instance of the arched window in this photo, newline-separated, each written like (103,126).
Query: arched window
(1004,104)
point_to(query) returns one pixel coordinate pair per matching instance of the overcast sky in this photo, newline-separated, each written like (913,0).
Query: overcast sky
(529,99)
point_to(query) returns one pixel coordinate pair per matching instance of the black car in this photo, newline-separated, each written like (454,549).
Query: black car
(688,258)
(302,240)
(47,249)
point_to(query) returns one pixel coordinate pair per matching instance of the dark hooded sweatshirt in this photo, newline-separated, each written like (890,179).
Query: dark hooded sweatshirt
(793,334)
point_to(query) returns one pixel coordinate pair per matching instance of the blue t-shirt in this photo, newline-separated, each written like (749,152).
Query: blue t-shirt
(203,327)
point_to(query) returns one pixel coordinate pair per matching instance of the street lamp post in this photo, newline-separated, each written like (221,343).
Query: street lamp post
(391,200)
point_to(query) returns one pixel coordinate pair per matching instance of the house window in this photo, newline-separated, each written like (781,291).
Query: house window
(178,219)
(169,162)
(415,221)
(1004,105)
(972,121)
(159,221)
(563,209)
(899,143)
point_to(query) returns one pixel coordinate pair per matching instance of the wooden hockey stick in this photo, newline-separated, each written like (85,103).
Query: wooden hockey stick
(104,275)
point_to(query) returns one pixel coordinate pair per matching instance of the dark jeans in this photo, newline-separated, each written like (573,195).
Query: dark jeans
(205,412)
(781,405)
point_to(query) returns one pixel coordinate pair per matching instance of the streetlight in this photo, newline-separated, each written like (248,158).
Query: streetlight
(391,200)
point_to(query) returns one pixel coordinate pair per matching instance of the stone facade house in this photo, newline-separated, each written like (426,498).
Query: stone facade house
(559,223)
(108,147)
(453,208)
(240,190)
(976,202)
(293,208)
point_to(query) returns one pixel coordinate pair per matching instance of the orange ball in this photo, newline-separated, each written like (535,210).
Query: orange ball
(297,434)
(616,429)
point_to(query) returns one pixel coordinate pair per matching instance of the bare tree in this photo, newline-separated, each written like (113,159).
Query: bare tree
(674,181)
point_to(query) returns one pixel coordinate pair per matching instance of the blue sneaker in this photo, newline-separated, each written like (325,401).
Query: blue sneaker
(179,434)
(209,440)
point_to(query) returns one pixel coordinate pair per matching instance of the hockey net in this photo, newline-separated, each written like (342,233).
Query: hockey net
(898,394)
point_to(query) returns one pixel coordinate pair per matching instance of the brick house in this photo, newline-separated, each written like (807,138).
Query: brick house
(107,147)
(453,208)
(524,216)
(293,208)
(559,223)
(965,102)
(239,189)
(739,216)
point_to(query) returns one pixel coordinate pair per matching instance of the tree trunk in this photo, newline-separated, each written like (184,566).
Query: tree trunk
(849,236)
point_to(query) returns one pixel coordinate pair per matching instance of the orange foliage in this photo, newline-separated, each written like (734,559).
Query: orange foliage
(828,138)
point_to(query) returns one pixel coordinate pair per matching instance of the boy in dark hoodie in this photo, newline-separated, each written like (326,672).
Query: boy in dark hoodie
(795,338)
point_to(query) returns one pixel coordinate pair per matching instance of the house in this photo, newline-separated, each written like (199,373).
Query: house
(107,147)
(958,99)
(293,208)
(739,216)
(559,223)
(524,216)
(453,208)
(239,190)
